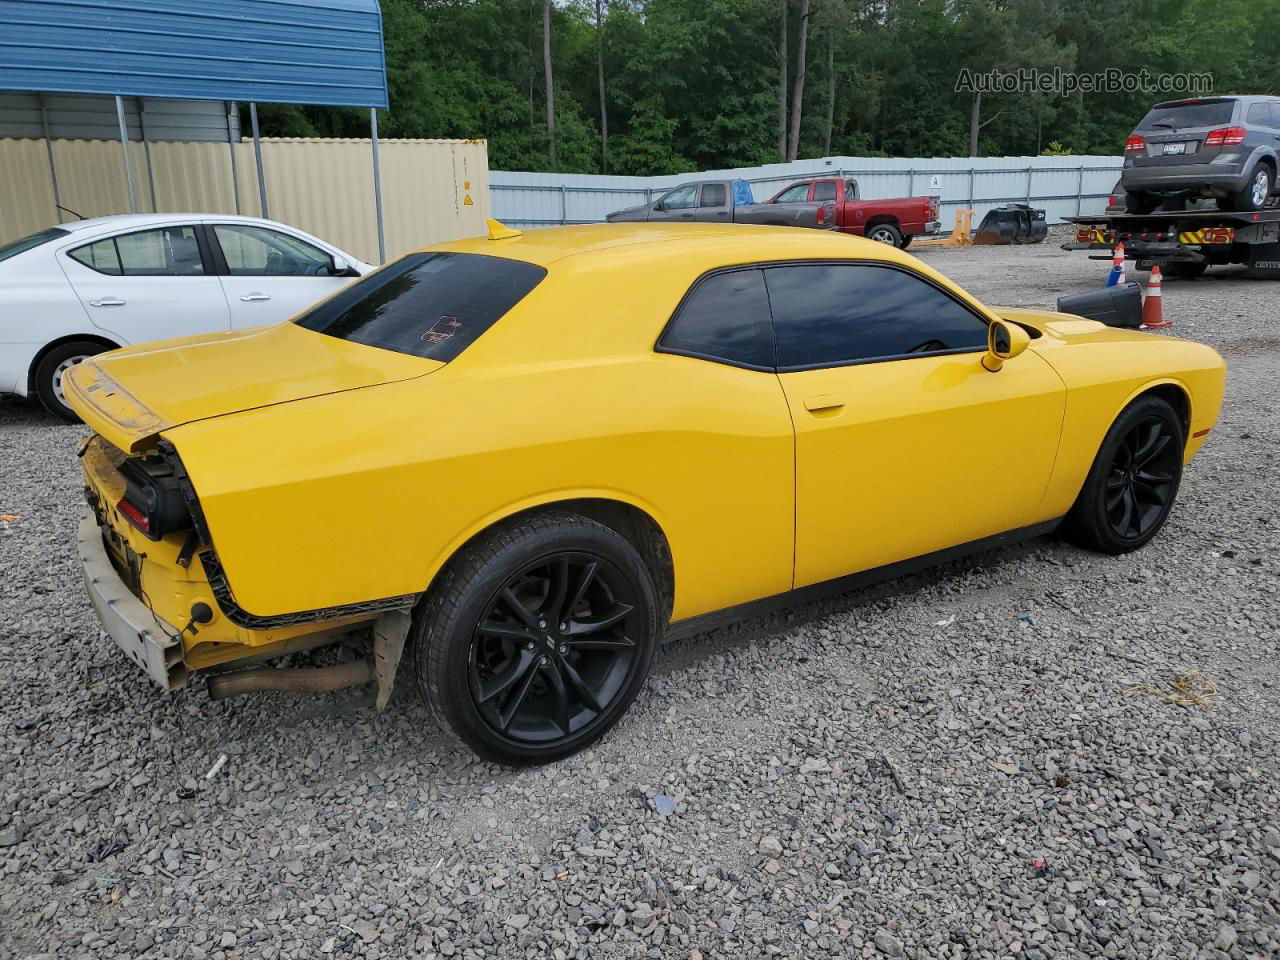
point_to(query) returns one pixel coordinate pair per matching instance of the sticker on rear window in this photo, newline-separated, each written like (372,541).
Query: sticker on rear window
(442,330)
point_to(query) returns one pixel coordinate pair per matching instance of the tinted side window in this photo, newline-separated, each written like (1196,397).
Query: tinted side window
(680,198)
(1259,114)
(797,194)
(714,195)
(829,314)
(1273,120)
(258,252)
(167,252)
(431,305)
(851,190)
(824,191)
(725,317)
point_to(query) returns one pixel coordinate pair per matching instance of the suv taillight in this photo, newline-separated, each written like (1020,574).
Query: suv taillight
(1134,144)
(933,208)
(1225,137)
(153,500)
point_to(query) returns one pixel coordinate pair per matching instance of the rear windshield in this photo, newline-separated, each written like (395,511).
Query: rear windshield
(1179,115)
(26,243)
(431,305)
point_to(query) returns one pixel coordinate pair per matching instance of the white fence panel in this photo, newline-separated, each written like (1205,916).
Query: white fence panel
(1063,186)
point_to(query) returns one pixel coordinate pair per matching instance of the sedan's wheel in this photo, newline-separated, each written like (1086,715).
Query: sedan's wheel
(885,233)
(53,366)
(1133,482)
(537,638)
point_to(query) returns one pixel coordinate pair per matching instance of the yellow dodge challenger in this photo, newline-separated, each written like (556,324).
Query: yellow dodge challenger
(524,459)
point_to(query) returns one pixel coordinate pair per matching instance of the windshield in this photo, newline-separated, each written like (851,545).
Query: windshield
(26,243)
(431,305)
(1175,116)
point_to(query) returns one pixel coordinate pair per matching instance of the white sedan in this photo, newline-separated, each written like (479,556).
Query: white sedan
(78,289)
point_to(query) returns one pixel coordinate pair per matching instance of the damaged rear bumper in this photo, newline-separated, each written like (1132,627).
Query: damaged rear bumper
(149,642)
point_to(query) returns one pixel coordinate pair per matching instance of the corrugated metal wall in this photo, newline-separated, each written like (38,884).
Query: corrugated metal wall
(1063,186)
(322,186)
(94,118)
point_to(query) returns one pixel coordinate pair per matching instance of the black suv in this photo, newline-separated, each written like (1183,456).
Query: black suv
(1222,147)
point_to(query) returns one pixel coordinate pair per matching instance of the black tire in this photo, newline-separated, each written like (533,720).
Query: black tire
(1138,202)
(49,371)
(1185,270)
(885,233)
(514,693)
(1255,193)
(1133,482)
(906,241)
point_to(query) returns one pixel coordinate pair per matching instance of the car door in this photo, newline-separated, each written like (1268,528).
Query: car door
(905,443)
(270,275)
(713,204)
(147,284)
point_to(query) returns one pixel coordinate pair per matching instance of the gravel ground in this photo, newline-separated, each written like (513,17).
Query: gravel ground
(947,767)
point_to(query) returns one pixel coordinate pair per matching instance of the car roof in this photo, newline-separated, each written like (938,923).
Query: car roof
(125,221)
(655,242)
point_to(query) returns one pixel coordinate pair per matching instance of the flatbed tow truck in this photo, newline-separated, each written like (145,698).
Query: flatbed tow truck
(1185,244)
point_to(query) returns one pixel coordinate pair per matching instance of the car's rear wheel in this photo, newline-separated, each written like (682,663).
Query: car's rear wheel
(1133,482)
(885,233)
(1255,192)
(53,366)
(537,638)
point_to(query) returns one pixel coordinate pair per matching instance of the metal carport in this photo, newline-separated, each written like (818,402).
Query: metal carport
(322,52)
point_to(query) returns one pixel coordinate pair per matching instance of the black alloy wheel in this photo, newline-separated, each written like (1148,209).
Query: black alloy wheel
(536,637)
(1143,478)
(554,648)
(1131,487)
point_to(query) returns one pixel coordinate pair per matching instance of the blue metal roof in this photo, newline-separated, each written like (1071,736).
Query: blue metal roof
(271,51)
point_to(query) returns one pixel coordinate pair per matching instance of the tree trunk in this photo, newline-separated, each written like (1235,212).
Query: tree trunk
(546,70)
(782,85)
(797,88)
(831,86)
(604,109)
(975,123)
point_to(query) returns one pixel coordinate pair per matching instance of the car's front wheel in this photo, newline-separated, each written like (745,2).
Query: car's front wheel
(1133,482)
(53,366)
(536,638)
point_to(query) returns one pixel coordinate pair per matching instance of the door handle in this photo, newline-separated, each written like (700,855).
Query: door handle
(107,302)
(825,401)
(254,297)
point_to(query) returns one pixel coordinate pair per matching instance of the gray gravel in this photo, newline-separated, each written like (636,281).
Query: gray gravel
(948,767)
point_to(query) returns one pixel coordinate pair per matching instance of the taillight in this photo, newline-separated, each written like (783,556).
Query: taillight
(1225,137)
(933,208)
(822,215)
(1135,144)
(153,500)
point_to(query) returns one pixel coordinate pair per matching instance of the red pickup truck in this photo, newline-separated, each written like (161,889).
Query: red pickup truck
(893,221)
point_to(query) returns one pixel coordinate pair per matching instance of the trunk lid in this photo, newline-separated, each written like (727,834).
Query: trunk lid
(128,396)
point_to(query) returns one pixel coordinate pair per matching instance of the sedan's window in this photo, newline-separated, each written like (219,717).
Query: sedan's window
(714,195)
(681,198)
(826,190)
(725,317)
(167,252)
(430,305)
(833,314)
(15,247)
(259,252)
(797,194)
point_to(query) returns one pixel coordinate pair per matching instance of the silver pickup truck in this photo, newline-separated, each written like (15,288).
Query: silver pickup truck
(727,201)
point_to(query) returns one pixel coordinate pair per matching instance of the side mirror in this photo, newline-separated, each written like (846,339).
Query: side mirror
(659,207)
(339,266)
(1005,341)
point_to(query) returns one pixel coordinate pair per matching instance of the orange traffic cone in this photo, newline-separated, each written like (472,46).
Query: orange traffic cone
(1152,310)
